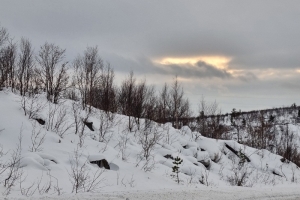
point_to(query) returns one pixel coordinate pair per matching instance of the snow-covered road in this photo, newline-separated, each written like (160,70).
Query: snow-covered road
(224,193)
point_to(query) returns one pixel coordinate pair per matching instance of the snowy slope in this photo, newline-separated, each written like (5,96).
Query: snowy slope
(47,169)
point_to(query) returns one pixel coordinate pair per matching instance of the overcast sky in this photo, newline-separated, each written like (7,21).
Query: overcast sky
(243,54)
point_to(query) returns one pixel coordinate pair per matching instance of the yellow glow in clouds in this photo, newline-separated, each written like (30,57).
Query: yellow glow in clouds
(221,62)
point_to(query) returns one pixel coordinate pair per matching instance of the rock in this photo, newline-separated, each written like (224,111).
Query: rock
(237,153)
(101,163)
(206,163)
(40,121)
(168,156)
(89,125)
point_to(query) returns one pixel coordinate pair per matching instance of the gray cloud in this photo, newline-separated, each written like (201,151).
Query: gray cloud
(248,76)
(131,34)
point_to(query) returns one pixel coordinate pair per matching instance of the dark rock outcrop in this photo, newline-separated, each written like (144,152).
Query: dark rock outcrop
(40,121)
(89,125)
(206,163)
(168,156)
(101,163)
(239,154)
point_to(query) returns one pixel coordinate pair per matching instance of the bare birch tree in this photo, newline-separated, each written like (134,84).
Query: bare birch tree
(53,70)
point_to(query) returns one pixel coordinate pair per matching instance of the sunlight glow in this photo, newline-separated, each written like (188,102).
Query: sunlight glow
(220,62)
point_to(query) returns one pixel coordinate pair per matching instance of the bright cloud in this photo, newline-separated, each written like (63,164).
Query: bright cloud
(220,62)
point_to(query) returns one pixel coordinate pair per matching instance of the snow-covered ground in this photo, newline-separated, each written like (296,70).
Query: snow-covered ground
(209,170)
(222,193)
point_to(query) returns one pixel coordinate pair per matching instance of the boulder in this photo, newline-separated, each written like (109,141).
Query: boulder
(168,156)
(101,163)
(89,125)
(40,121)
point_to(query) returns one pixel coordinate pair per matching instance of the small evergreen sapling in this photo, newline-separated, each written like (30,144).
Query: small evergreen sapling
(175,168)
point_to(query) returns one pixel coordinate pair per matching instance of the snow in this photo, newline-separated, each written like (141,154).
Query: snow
(122,149)
(224,193)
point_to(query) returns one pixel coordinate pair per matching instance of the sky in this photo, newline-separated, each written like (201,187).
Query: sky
(242,54)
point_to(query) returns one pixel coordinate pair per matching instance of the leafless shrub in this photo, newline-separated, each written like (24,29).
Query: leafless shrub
(44,188)
(57,120)
(131,182)
(167,136)
(38,186)
(122,143)
(287,145)
(107,122)
(294,178)
(240,174)
(125,182)
(149,164)
(3,165)
(80,177)
(82,134)
(204,178)
(81,121)
(12,168)
(217,157)
(263,177)
(29,190)
(192,174)
(56,187)
(148,138)
(37,139)
(76,108)
(118,177)
(221,171)
(32,106)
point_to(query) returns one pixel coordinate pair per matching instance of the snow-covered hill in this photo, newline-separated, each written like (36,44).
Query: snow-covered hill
(55,150)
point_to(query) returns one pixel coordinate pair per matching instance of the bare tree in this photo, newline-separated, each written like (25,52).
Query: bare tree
(25,66)
(176,94)
(208,121)
(107,94)
(126,98)
(3,36)
(139,100)
(87,75)
(54,70)
(150,106)
(8,56)
(164,102)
